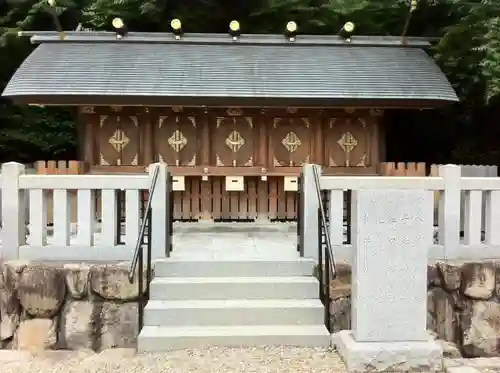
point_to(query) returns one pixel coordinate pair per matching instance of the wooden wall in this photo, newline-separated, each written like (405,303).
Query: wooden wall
(205,145)
(278,140)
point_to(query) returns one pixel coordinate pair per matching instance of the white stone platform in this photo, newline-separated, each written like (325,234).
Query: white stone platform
(360,357)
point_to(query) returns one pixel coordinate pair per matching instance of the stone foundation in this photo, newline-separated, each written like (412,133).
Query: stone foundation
(463,305)
(67,306)
(93,306)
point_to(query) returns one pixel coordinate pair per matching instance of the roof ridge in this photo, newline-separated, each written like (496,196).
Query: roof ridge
(224,39)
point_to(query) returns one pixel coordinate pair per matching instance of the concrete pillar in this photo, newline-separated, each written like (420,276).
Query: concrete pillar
(449,209)
(159,205)
(309,223)
(392,236)
(13,211)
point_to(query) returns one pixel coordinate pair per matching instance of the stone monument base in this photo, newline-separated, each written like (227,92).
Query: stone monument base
(388,356)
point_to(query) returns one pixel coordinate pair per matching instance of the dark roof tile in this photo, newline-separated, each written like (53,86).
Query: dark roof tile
(230,70)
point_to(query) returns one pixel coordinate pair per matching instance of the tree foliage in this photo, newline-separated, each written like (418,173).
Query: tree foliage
(468,51)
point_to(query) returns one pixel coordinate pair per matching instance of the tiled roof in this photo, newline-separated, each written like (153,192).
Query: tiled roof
(92,66)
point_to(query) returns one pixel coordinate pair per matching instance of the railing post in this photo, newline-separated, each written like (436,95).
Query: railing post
(392,236)
(309,220)
(449,209)
(13,211)
(159,205)
(336,217)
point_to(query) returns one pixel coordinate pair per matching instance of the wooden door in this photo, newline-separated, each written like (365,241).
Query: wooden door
(347,142)
(118,140)
(233,141)
(175,137)
(290,143)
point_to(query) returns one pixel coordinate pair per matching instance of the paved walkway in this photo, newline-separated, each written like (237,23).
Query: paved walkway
(229,241)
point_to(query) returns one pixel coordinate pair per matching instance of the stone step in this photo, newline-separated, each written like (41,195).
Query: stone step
(157,339)
(233,268)
(206,288)
(234,312)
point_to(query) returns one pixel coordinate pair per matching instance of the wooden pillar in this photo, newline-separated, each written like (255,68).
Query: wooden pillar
(264,160)
(318,140)
(376,153)
(205,150)
(147,132)
(87,118)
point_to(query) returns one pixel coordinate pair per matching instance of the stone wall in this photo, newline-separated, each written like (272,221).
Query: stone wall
(463,305)
(67,306)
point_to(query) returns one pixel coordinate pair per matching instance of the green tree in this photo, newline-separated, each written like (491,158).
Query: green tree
(468,52)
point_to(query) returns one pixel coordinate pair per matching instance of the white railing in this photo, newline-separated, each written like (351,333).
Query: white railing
(455,194)
(90,241)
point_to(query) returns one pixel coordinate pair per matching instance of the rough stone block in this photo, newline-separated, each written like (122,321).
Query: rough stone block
(478,280)
(481,329)
(77,329)
(36,335)
(118,325)
(111,282)
(41,290)
(77,278)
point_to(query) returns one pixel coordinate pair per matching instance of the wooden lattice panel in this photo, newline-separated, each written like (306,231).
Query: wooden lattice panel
(290,141)
(233,141)
(347,142)
(176,140)
(260,200)
(118,140)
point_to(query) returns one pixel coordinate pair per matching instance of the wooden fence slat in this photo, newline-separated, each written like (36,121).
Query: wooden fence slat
(234,208)
(186,199)
(177,205)
(273,198)
(263,199)
(252,197)
(472,216)
(132,216)
(281,198)
(109,217)
(217,197)
(38,217)
(290,205)
(85,217)
(225,204)
(195,198)
(243,202)
(61,208)
(206,200)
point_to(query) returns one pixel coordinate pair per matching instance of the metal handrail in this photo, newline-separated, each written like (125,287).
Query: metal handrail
(328,242)
(142,230)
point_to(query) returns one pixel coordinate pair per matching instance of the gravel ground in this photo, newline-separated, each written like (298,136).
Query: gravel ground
(233,360)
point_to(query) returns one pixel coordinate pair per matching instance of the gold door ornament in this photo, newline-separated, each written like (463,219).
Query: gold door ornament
(119,140)
(291,142)
(347,143)
(177,141)
(234,141)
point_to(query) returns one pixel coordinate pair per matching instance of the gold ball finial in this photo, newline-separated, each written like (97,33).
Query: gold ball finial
(291,26)
(176,24)
(117,23)
(234,25)
(349,27)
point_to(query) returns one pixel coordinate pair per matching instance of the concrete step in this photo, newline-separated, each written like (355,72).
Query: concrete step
(157,339)
(233,268)
(234,312)
(205,288)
